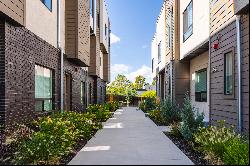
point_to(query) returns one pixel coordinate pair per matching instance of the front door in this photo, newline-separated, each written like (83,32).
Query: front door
(67,92)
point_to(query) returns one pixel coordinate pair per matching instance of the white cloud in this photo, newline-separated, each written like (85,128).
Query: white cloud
(129,73)
(145,71)
(114,39)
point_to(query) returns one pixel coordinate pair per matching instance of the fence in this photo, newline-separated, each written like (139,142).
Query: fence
(134,102)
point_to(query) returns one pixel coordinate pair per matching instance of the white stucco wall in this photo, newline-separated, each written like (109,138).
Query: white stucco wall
(200,25)
(196,64)
(154,56)
(43,22)
(161,37)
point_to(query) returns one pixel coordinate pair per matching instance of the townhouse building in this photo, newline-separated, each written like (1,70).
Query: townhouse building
(46,57)
(229,60)
(167,70)
(209,42)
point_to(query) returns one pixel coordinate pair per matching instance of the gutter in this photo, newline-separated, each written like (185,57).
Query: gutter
(61,53)
(239,55)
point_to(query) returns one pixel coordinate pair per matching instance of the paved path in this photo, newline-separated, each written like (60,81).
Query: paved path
(130,139)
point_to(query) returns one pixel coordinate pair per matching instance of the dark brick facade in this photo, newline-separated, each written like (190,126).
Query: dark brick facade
(99,90)
(20,51)
(23,50)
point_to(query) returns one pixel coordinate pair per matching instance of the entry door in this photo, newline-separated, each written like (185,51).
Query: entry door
(67,92)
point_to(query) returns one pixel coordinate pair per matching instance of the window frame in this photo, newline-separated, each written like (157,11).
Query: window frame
(201,101)
(159,52)
(190,28)
(43,2)
(229,96)
(52,99)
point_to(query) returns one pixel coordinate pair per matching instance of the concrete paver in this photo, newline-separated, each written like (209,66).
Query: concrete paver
(130,138)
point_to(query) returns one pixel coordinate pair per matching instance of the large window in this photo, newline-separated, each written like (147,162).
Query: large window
(228,81)
(43,89)
(159,52)
(92,8)
(201,86)
(188,21)
(47,3)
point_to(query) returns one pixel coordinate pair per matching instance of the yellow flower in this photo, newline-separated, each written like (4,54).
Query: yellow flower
(49,120)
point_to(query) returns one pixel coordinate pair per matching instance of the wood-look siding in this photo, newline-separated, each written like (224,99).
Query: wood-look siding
(14,9)
(223,25)
(94,68)
(221,13)
(106,67)
(245,70)
(77,31)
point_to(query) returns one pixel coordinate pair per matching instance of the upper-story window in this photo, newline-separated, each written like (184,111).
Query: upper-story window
(188,21)
(91,8)
(169,36)
(105,30)
(152,65)
(47,3)
(159,52)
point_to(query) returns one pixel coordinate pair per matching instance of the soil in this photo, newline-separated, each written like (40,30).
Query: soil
(196,157)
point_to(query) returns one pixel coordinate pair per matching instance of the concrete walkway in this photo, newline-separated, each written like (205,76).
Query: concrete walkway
(130,139)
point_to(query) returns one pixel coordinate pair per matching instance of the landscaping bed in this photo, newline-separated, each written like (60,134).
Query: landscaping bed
(54,139)
(210,145)
(196,157)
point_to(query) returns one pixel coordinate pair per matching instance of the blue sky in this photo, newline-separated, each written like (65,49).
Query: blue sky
(132,25)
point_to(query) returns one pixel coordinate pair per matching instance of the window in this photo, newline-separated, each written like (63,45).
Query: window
(105,30)
(152,65)
(98,20)
(201,86)
(159,53)
(83,93)
(92,8)
(188,21)
(47,3)
(169,36)
(43,89)
(228,74)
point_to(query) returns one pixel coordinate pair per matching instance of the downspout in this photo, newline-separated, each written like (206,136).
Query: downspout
(172,53)
(238,18)
(61,52)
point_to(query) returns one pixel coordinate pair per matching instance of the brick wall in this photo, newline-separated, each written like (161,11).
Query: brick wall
(2,75)
(24,50)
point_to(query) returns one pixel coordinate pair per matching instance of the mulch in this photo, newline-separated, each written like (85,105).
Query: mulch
(196,157)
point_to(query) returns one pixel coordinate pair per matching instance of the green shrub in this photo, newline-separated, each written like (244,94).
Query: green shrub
(191,120)
(213,139)
(56,137)
(155,115)
(175,129)
(47,146)
(170,111)
(148,104)
(236,152)
(101,111)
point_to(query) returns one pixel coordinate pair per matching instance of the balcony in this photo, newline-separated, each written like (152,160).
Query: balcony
(13,10)
(241,6)
(77,33)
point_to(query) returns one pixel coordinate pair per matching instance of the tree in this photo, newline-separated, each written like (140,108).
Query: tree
(140,82)
(120,86)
